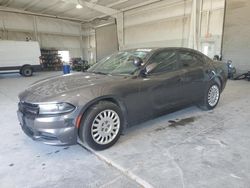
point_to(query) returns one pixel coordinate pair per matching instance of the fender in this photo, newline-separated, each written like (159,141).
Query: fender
(110,98)
(217,78)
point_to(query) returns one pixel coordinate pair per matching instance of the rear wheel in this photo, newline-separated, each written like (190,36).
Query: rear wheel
(26,71)
(102,125)
(211,98)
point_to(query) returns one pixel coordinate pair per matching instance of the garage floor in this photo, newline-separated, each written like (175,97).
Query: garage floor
(188,148)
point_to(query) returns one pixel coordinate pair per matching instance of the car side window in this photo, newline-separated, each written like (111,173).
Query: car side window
(165,62)
(188,59)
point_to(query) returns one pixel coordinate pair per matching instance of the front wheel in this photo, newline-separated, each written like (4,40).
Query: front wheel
(26,71)
(101,126)
(211,98)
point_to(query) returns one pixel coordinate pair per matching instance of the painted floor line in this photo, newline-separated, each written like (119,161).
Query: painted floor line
(124,171)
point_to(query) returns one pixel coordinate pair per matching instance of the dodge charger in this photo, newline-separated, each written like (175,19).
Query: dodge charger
(121,90)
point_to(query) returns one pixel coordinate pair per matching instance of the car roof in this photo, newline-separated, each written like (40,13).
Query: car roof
(154,49)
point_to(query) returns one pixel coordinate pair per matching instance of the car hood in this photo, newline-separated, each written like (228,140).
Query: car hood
(50,90)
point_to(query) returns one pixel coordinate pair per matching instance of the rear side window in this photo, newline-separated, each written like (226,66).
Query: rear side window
(165,61)
(188,59)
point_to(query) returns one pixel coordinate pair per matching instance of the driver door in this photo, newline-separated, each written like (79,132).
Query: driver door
(162,87)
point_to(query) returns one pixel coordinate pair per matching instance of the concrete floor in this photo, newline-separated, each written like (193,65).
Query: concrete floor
(188,148)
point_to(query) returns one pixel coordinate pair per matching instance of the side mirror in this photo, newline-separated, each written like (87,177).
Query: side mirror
(136,61)
(149,68)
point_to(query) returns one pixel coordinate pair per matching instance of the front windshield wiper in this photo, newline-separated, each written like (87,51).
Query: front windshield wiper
(97,72)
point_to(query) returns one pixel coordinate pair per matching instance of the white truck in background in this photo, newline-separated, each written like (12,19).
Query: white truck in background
(19,56)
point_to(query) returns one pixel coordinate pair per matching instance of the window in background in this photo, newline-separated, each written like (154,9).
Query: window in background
(64,55)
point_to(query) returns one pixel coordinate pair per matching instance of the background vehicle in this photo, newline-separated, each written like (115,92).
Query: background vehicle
(121,90)
(19,56)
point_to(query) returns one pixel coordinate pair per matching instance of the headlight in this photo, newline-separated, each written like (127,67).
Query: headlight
(55,108)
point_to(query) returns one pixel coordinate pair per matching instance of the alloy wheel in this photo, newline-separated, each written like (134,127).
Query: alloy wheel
(213,95)
(105,127)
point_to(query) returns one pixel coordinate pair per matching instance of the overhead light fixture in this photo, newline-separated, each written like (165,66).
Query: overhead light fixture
(78,6)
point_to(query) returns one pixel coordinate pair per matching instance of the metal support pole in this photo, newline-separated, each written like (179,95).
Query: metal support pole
(120,30)
(200,25)
(81,41)
(194,25)
(35,28)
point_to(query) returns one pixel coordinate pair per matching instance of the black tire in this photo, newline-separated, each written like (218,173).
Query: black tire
(26,71)
(206,103)
(87,125)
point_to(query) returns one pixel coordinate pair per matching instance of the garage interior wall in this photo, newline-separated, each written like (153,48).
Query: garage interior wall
(164,23)
(168,24)
(51,33)
(236,40)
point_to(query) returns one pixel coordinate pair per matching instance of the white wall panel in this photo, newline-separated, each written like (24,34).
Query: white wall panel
(106,41)
(51,33)
(61,43)
(19,36)
(163,24)
(13,21)
(236,41)
(51,25)
(160,33)
(216,22)
(147,15)
(16,21)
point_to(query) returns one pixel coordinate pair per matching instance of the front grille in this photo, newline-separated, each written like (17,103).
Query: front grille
(28,108)
(48,136)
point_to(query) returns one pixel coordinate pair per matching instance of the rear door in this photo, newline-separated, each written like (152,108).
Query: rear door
(193,80)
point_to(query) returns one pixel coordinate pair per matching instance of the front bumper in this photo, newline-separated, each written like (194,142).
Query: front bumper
(54,130)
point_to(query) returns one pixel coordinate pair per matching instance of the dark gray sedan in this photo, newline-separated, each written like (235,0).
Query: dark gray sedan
(121,90)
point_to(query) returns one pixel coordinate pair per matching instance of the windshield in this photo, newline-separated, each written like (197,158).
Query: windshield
(119,63)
